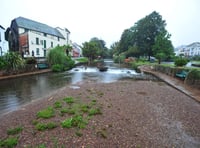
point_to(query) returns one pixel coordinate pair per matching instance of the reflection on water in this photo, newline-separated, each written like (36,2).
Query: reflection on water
(16,92)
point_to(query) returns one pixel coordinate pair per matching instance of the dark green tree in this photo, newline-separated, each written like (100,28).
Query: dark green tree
(163,48)
(142,35)
(90,50)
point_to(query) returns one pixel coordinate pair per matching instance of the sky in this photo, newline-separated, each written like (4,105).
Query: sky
(107,19)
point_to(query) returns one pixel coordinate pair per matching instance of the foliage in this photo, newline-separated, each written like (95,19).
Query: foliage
(10,142)
(13,61)
(142,35)
(57,56)
(194,74)
(46,113)
(94,48)
(43,126)
(69,100)
(75,121)
(94,111)
(82,60)
(14,131)
(132,52)
(57,68)
(180,61)
(163,48)
(58,104)
(2,63)
(30,60)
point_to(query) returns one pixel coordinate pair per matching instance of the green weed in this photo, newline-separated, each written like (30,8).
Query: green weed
(46,113)
(69,100)
(10,142)
(57,104)
(43,126)
(94,111)
(14,131)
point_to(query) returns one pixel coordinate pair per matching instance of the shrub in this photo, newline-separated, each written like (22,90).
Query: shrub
(31,60)
(180,61)
(57,68)
(43,126)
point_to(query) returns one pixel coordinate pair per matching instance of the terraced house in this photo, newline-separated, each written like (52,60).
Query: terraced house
(32,38)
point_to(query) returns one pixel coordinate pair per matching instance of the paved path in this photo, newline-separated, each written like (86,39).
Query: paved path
(174,82)
(25,74)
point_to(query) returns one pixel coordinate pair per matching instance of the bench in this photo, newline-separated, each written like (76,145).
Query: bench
(182,74)
(42,66)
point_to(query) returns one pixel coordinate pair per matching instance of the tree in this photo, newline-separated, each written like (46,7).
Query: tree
(90,50)
(163,47)
(143,34)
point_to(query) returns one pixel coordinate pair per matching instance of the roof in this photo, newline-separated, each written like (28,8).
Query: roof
(2,27)
(36,26)
(195,44)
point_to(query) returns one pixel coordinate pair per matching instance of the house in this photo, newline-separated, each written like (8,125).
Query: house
(3,42)
(34,39)
(76,50)
(190,50)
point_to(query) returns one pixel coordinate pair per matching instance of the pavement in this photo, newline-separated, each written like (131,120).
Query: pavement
(25,74)
(176,83)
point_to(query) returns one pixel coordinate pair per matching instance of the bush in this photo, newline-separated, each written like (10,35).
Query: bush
(180,61)
(57,68)
(31,60)
(2,63)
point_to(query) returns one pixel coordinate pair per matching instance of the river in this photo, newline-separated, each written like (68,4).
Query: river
(22,90)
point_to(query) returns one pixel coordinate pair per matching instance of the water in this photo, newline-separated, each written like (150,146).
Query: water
(19,91)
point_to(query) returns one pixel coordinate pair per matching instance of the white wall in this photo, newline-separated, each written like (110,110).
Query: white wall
(32,35)
(3,43)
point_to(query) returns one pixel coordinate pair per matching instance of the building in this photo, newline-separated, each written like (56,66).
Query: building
(190,50)
(76,50)
(32,38)
(3,42)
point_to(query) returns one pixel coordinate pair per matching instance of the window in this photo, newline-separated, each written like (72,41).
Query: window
(41,42)
(37,41)
(45,53)
(45,44)
(45,34)
(37,51)
(58,39)
(51,44)
(0,36)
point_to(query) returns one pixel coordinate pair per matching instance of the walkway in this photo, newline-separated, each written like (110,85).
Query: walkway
(174,82)
(25,74)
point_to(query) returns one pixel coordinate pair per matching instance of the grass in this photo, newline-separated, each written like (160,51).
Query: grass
(57,104)
(94,111)
(43,126)
(10,142)
(75,121)
(46,113)
(69,100)
(14,131)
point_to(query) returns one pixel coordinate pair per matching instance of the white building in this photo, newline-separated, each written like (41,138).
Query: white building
(3,42)
(189,50)
(32,38)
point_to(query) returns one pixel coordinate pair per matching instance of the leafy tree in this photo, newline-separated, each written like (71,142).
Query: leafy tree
(132,52)
(163,47)
(90,50)
(68,48)
(143,34)
(57,57)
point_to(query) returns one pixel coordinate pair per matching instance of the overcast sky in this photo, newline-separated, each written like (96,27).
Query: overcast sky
(107,19)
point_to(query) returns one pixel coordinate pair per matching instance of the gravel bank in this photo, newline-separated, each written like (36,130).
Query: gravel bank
(134,114)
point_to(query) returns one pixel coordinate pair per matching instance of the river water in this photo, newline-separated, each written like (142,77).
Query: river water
(19,91)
